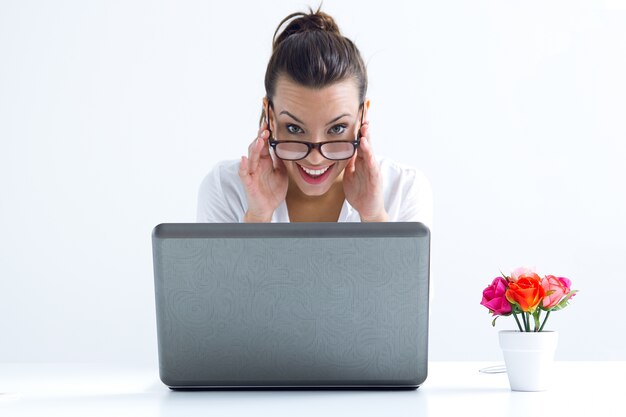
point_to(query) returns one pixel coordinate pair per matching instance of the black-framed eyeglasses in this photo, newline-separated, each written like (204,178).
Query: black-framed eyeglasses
(336,150)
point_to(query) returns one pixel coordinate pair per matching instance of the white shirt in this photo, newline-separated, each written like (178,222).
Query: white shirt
(407,196)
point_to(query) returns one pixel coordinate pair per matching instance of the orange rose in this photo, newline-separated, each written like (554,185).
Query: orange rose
(526,292)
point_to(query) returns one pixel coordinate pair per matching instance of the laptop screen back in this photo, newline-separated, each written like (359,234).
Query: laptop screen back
(292,304)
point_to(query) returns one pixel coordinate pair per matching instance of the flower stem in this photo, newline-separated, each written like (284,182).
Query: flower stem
(526,322)
(536,317)
(518,323)
(545,320)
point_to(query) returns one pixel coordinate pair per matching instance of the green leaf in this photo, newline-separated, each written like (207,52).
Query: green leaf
(564,302)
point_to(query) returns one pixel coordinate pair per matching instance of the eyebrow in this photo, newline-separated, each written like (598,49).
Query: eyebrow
(292,116)
(337,118)
(301,122)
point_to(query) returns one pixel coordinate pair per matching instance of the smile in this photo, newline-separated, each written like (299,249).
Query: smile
(315,176)
(315,172)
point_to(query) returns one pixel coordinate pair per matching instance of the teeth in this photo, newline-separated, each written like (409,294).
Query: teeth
(315,171)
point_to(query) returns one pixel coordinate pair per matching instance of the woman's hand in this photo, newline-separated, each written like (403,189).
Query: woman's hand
(265,180)
(363,183)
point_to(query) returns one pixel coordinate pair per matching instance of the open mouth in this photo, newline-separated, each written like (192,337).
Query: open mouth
(315,176)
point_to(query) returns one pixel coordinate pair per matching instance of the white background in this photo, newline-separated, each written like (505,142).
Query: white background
(112,112)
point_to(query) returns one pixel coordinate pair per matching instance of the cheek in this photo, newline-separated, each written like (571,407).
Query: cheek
(341,166)
(291,166)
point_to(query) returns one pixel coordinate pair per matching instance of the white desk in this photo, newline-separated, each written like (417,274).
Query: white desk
(451,389)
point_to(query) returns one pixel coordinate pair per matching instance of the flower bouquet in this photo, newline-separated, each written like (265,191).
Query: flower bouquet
(525,295)
(529,352)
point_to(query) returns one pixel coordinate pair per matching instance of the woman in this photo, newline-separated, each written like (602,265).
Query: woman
(312,159)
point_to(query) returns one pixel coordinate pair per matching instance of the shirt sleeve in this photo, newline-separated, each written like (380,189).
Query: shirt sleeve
(407,193)
(220,197)
(417,204)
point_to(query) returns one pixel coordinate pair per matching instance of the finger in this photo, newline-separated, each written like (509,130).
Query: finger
(350,166)
(370,161)
(349,176)
(253,144)
(262,128)
(265,149)
(364,131)
(364,128)
(365,152)
(254,154)
(366,160)
(243,169)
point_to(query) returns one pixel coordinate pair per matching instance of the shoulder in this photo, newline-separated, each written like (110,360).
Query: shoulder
(223,179)
(224,172)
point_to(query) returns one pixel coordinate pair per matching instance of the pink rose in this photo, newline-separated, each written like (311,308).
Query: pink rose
(566,282)
(521,271)
(494,297)
(556,289)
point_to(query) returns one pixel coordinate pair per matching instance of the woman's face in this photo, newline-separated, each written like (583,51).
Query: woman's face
(315,115)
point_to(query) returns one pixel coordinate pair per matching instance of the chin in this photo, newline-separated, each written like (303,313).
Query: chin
(313,192)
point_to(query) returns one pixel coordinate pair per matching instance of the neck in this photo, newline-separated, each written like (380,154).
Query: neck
(326,207)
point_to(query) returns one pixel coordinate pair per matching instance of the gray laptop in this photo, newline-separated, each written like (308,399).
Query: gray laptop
(292,305)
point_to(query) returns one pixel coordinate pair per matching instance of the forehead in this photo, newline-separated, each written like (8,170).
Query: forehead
(341,96)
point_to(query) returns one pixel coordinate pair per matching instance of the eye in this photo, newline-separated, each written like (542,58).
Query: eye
(338,129)
(294,129)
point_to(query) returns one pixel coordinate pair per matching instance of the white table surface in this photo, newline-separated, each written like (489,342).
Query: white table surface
(452,388)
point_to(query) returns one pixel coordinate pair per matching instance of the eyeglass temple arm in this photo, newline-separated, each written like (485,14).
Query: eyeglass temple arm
(267,118)
(358,136)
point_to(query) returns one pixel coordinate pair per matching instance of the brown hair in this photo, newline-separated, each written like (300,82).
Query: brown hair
(312,52)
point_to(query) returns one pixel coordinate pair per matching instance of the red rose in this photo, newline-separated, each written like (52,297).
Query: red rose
(526,292)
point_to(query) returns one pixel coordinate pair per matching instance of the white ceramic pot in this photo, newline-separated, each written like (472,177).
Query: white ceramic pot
(529,358)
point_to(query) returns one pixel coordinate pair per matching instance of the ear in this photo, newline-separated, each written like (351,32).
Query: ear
(366,108)
(266,112)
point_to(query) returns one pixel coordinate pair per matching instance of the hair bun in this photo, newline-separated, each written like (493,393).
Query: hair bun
(319,21)
(305,22)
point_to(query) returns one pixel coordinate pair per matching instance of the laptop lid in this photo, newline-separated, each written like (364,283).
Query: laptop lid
(292,304)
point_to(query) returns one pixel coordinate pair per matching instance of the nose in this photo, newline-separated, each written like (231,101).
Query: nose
(315,157)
